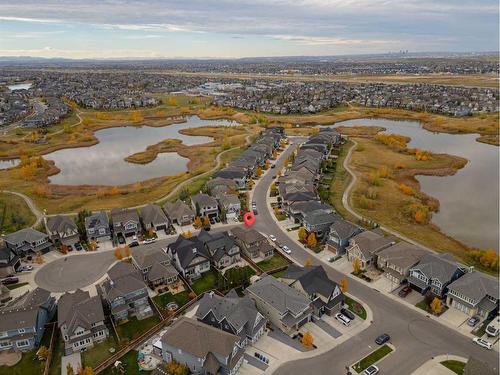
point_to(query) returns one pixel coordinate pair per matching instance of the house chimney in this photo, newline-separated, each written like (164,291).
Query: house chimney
(471,269)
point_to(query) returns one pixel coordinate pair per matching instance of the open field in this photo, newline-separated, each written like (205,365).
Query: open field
(14,213)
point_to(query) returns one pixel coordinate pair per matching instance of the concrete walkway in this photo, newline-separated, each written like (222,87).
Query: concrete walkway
(434,366)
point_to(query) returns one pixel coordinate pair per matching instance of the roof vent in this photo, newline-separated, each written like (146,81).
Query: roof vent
(194,250)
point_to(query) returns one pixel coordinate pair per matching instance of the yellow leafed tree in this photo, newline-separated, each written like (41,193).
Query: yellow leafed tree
(308,340)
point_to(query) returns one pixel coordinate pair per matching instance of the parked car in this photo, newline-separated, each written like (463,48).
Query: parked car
(134,244)
(286,249)
(10,280)
(382,339)
(255,211)
(25,268)
(121,240)
(404,291)
(78,246)
(147,241)
(272,237)
(482,343)
(372,370)
(347,313)
(273,166)
(494,327)
(473,321)
(343,319)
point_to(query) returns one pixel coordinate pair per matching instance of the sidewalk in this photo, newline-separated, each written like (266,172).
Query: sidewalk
(434,366)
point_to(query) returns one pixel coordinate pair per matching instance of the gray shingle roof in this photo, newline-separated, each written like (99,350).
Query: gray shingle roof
(187,249)
(281,296)
(204,200)
(313,279)
(403,254)
(438,266)
(79,309)
(178,209)
(370,242)
(99,219)
(61,224)
(25,235)
(344,229)
(476,286)
(153,213)
(147,255)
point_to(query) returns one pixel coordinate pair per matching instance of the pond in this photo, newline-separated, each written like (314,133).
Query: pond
(104,164)
(5,164)
(469,199)
(19,86)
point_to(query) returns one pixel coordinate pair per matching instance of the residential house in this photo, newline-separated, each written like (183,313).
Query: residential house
(285,307)
(126,222)
(125,293)
(236,174)
(252,243)
(62,230)
(221,247)
(233,314)
(153,218)
(179,212)
(341,231)
(364,247)
(300,209)
(221,185)
(81,321)
(22,321)
(312,281)
(396,260)
(204,349)
(9,260)
(319,222)
(434,273)
(27,241)
(190,256)
(205,205)
(154,264)
(474,294)
(231,205)
(97,227)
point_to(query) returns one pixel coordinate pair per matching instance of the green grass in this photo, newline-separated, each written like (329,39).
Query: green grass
(371,358)
(423,305)
(96,355)
(456,366)
(129,360)
(29,364)
(164,299)
(134,328)
(206,282)
(55,364)
(272,263)
(14,213)
(355,307)
(15,286)
(278,274)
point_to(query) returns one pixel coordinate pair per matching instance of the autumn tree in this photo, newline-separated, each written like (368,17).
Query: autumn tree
(197,222)
(274,189)
(126,250)
(171,101)
(69,369)
(258,172)
(93,245)
(114,190)
(276,212)
(308,262)
(206,221)
(191,295)
(436,306)
(188,234)
(118,253)
(343,284)
(302,234)
(286,163)
(356,266)
(311,240)
(275,154)
(85,371)
(406,189)
(137,187)
(42,353)
(307,340)
(268,164)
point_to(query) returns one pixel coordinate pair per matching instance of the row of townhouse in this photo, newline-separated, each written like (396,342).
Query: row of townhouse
(214,339)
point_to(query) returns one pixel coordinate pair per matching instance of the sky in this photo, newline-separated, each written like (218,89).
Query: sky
(230,29)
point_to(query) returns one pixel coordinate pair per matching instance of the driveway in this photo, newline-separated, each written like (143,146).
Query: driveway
(73,272)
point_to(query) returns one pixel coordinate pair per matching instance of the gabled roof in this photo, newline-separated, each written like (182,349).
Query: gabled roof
(153,213)
(187,249)
(320,217)
(199,339)
(78,309)
(99,219)
(475,285)
(178,209)
(279,295)
(344,229)
(25,235)
(403,254)
(203,200)
(310,206)
(370,242)
(61,224)
(247,235)
(313,279)
(438,266)
(231,172)
(123,279)
(121,215)
(147,255)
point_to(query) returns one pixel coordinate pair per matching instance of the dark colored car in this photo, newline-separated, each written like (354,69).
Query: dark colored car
(473,321)
(382,339)
(78,246)
(10,280)
(121,240)
(134,244)
(405,291)
(273,166)
(347,313)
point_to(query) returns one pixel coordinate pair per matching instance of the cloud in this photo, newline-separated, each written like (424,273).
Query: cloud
(36,34)
(28,19)
(319,41)
(138,37)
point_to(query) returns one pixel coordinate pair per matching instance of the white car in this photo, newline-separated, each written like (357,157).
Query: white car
(286,249)
(483,343)
(372,370)
(272,237)
(147,241)
(25,268)
(493,328)
(343,319)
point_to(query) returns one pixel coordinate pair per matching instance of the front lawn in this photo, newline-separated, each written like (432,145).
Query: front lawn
(456,366)
(134,328)
(15,286)
(273,263)
(278,274)
(372,358)
(355,307)
(129,361)
(96,355)
(206,282)
(164,299)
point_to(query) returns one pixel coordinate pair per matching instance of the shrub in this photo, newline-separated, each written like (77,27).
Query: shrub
(408,190)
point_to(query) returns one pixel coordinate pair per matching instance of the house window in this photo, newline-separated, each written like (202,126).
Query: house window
(22,343)
(21,330)
(5,344)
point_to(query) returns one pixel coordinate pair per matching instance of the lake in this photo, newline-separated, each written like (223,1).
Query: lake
(469,200)
(5,164)
(104,164)
(19,86)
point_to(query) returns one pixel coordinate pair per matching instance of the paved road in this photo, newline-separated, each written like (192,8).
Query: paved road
(416,337)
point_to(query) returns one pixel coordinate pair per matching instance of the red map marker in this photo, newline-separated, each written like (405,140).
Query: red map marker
(249,218)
